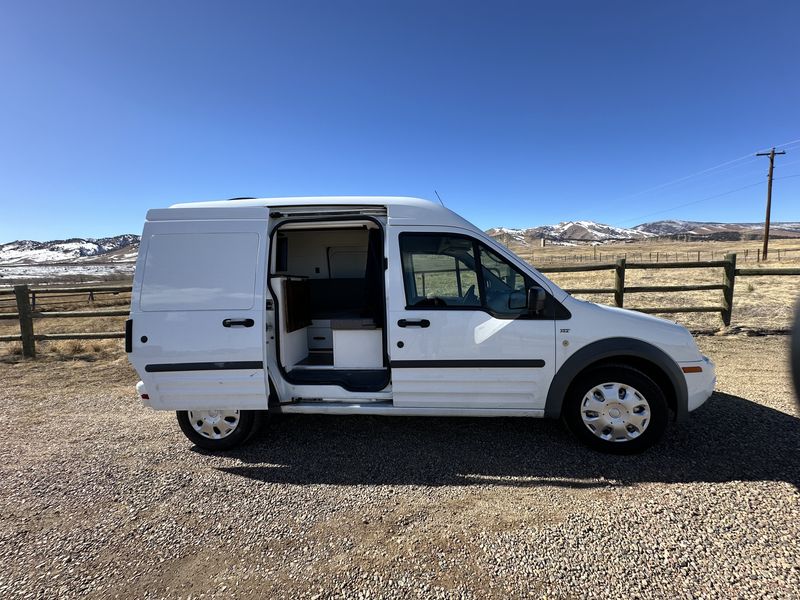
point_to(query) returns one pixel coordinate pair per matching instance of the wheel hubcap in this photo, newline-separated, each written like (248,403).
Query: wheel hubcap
(615,412)
(214,424)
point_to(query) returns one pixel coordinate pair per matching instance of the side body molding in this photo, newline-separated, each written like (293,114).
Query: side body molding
(621,348)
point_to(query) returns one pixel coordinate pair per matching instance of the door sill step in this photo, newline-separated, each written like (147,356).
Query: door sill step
(383,408)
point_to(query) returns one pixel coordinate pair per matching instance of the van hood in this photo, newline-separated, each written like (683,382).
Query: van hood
(597,321)
(633,316)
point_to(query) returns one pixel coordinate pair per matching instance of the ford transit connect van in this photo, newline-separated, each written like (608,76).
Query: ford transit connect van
(385,306)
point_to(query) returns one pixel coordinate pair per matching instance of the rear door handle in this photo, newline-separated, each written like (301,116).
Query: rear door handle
(238,323)
(413,323)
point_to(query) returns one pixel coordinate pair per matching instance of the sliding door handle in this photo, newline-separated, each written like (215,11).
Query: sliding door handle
(413,323)
(238,323)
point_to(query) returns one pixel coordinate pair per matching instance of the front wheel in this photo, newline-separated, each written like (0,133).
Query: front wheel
(218,429)
(616,409)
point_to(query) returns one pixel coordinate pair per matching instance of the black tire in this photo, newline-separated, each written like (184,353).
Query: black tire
(654,396)
(249,423)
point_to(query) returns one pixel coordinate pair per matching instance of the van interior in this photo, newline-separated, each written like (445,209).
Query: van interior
(328,281)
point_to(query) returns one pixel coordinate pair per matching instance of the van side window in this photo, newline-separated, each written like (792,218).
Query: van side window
(439,271)
(199,271)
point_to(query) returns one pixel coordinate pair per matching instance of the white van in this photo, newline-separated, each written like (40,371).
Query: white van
(385,306)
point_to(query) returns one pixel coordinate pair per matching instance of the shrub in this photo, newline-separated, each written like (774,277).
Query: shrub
(74,347)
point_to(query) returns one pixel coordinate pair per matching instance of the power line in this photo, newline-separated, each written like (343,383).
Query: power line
(716,168)
(786,164)
(681,179)
(711,183)
(670,209)
(666,210)
(784,145)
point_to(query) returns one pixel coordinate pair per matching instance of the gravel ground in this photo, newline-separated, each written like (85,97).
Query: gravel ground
(102,497)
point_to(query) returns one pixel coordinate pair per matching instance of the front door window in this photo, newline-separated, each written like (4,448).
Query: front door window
(439,271)
(451,271)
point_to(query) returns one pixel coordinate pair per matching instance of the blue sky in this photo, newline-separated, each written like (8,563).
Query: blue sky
(518,113)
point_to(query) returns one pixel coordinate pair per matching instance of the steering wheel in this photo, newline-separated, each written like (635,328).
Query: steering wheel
(470,297)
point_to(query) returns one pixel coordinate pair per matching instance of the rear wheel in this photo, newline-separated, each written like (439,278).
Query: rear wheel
(616,409)
(218,429)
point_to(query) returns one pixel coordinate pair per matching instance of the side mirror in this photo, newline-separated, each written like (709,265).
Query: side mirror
(536,299)
(518,300)
(533,299)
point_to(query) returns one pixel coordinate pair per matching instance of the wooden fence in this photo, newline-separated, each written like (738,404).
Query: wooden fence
(729,274)
(25,298)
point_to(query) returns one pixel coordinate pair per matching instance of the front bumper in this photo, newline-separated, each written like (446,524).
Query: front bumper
(700,385)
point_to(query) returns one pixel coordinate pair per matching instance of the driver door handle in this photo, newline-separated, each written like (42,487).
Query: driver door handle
(413,323)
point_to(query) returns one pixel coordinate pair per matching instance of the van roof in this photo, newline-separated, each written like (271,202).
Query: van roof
(312,200)
(399,209)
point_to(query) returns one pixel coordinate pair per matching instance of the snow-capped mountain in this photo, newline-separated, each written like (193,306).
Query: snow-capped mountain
(577,232)
(569,231)
(118,248)
(701,228)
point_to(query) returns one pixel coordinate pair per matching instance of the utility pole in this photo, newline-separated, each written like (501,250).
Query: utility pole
(771,155)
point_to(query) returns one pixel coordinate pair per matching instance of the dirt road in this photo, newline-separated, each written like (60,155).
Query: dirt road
(102,497)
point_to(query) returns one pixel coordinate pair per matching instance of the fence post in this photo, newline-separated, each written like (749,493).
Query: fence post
(728,280)
(21,292)
(619,282)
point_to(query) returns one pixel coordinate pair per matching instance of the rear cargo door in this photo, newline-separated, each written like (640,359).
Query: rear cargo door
(197,335)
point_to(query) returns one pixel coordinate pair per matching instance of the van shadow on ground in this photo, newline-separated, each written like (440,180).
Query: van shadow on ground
(729,438)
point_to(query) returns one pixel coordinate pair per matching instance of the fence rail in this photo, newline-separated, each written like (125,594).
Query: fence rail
(25,297)
(63,295)
(729,274)
(725,309)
